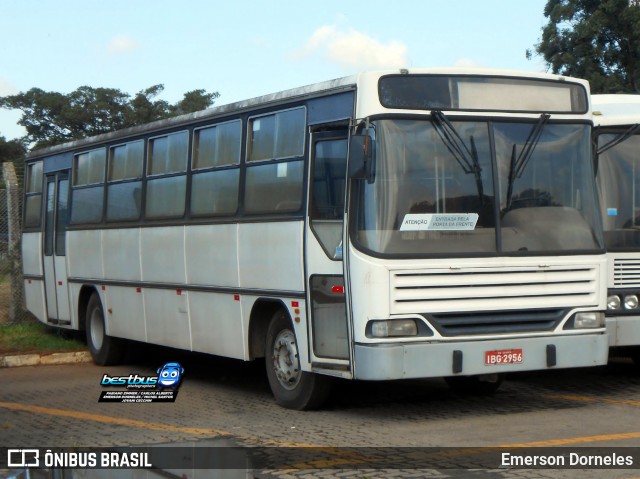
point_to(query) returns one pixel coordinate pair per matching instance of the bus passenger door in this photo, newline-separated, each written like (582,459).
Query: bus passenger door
(54,254)
(329,333)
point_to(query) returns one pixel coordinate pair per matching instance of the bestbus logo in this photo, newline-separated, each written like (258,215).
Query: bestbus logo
(160,388)
(130,381)
(169,376)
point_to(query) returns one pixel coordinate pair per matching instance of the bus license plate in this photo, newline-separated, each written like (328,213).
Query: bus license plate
(505,356)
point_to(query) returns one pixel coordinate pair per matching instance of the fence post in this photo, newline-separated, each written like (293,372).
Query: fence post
(13,217)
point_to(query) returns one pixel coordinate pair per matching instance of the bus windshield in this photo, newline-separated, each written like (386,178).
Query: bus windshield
(618,181)
(478,187)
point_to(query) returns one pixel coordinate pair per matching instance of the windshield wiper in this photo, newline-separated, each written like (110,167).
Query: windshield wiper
(465,157)
(519,164)
(618,139)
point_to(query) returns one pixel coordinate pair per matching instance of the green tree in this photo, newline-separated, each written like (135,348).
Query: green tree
(194,100)
(11,151)
(598,40)
(51,117)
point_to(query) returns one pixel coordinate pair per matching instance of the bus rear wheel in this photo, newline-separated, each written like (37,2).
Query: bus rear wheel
(485,385)
(291,387)
(105,350)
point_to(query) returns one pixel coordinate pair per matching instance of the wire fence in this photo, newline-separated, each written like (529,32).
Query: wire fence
(12,309)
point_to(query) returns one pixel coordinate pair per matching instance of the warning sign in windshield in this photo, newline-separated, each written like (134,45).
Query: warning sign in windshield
(439,222)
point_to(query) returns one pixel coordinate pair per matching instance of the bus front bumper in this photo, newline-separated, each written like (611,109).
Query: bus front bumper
(623,330)
(466,358)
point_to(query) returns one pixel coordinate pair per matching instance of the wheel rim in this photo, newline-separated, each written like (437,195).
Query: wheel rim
(285,359)
(97,328)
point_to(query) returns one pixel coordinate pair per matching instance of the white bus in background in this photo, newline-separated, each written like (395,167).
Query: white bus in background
(617,143)
(403,224)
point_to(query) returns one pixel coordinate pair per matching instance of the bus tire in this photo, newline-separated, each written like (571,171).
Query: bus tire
(291,387)
(475,385)
(105,350)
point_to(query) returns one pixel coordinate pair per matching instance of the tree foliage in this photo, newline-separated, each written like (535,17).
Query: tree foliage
(598,40)
(51,117)
(11,151)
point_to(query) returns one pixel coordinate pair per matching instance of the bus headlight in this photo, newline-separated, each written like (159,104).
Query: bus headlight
(613,302)
(631,301)
(586,320)
(394,328)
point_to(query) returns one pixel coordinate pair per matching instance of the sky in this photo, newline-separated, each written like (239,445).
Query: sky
(243,49)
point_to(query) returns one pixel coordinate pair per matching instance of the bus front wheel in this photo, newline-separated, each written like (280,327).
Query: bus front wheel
(104,349)
(291,387)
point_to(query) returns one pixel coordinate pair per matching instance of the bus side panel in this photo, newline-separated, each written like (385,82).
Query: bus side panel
(32,266)
(167,317)
(212,255)
(121,249)
(84,254)
(271,256)
(124,313)
(32,254)
(166,309)
(34,298)
(217,324)
(162,254)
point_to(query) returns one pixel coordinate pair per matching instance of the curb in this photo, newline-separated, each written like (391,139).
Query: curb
(44,359)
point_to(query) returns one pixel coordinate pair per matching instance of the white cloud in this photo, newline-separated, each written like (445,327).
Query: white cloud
(7,88)
(121,44)
(352,49)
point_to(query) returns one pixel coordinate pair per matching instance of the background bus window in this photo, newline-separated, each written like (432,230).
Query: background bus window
(274,187)
(215,186)
(165,196)
(89,167)
(619,188)
(125,161)
(215,192)
(217,146)
(88,191)
(33,201)
(280,135)
(124,192)
(168,154)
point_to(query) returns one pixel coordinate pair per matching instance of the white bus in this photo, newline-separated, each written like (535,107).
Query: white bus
(617,143)
(404,224)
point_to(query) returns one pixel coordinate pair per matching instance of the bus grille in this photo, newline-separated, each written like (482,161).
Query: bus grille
(626,273)
(497,322)
(493,288)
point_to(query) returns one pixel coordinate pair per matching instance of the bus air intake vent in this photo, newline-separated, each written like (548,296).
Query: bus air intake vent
(480,289)
(626,273)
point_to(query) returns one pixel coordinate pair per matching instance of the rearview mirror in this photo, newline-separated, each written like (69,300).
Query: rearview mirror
(362,158)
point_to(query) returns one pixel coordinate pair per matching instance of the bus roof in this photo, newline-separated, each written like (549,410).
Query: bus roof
(285,96)
(618,109)
(308,91)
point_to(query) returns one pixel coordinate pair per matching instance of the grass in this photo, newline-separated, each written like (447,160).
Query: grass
(33,337)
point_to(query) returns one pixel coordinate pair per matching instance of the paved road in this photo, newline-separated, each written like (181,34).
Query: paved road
(229,401)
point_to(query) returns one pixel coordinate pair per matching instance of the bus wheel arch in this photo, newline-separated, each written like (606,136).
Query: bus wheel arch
(261,314)
(291,387)
(83,301)
(105,350)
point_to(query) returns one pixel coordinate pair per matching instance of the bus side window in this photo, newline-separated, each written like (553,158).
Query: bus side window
(327,195)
